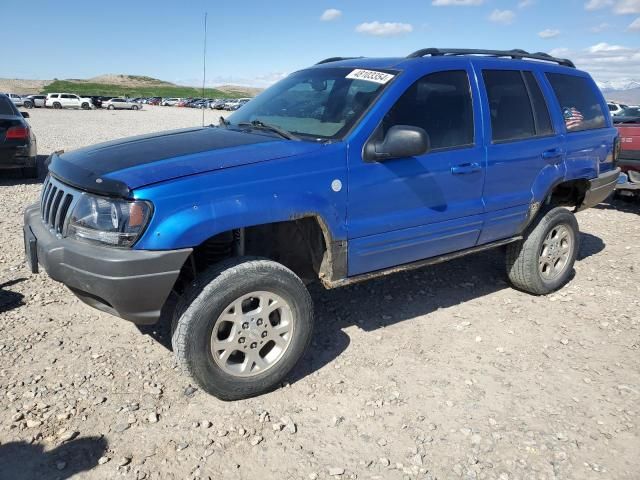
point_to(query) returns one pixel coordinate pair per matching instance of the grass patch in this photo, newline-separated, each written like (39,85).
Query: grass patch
(107,90)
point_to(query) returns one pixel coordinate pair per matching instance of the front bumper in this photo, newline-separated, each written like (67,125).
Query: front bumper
(600,188)
(131,284)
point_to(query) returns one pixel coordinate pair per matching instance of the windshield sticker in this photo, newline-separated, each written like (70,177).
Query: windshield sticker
(370,76)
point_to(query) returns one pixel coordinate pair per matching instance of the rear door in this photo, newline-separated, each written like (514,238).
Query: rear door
(407,209)
(588,131)
(521,143)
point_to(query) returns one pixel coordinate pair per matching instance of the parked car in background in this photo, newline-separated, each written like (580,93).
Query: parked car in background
(121,104)
(154,101)
(629,159)
(16,99)
(342,172)
(218,104)
(18,149)
(170,102)
(238,104)
(615,108)
(68,100)
(628,115)
(34,101)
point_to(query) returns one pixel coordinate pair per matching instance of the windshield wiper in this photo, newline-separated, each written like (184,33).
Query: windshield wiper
(272,128)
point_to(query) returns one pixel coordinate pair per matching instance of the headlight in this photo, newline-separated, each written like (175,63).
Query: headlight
(108,221)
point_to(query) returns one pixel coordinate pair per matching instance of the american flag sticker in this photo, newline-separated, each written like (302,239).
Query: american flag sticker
(370,76)
(572,118)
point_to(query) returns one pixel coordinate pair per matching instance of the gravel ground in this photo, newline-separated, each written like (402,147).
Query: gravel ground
(439,373)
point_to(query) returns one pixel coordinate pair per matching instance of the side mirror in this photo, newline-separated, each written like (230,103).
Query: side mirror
(25,114)
(401,141)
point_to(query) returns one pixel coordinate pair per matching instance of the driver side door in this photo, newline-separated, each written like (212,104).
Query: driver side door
(403,210)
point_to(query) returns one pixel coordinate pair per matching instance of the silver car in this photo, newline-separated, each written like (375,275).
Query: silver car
(120,104)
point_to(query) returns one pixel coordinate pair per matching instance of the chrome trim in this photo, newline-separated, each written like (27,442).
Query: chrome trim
(57,202)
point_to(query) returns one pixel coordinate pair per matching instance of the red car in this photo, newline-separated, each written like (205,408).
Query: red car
(629,159)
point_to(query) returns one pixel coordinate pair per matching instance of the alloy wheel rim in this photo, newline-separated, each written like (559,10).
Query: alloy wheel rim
(252,334)
(555,252)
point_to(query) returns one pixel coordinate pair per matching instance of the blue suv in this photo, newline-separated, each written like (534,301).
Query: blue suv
(349,170)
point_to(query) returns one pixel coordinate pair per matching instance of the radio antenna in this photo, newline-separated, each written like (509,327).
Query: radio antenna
(204,63)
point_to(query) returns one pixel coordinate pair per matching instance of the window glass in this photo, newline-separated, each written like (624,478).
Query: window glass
(6,106)
(540,109)
(511,113)
(579,102)
(612,108)
(318,102)
(65,96)
(439,103)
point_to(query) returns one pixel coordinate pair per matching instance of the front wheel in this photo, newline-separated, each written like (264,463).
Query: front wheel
(85,106)
(543,261)
(28,104)
(242,326)
(110,107)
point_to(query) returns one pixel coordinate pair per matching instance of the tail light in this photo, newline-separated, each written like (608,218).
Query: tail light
(17,133)
(616,150)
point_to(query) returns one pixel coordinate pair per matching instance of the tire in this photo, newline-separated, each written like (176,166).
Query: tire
(134,107)
(535,270)
(110,107)
(57,105)
(28,105)
(199,316)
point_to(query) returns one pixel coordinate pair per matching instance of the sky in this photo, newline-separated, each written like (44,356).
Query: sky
(256,43)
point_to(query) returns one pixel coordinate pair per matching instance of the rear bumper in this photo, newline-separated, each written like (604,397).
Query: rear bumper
(16,157)
(131,284)
(600,188)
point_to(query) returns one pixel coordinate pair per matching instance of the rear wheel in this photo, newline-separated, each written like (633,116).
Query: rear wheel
(543,261)
(135,107)
(242,326)
(85,106)
(57,105)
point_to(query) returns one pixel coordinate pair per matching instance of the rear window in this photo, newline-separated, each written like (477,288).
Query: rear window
(6,107)
(579,102)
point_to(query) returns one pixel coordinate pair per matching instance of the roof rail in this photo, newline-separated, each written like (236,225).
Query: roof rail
(335,59)
(515,53)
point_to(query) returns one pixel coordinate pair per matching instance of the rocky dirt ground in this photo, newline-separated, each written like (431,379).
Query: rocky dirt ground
(440,373)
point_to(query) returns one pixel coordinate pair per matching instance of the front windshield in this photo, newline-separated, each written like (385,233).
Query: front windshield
(321,102)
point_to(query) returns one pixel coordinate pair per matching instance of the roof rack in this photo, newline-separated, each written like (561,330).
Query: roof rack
(335,59)
(515,54)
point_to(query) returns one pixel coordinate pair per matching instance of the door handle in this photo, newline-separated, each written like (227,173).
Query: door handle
(466,168)
(552,154)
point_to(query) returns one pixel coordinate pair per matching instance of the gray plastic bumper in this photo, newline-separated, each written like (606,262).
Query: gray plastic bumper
(600,188)
(131,284)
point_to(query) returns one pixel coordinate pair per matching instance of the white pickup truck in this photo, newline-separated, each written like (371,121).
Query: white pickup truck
(67,100)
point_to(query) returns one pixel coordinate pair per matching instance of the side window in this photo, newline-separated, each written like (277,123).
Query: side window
(540,109)
(65,96)
(579,102)
(441,104)
(511,112)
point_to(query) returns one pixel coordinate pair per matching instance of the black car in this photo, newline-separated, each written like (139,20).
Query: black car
(17,141)
(628,115)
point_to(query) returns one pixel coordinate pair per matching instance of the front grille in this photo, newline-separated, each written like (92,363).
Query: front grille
(55,204)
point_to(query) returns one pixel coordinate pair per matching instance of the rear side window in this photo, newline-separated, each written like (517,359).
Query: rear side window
(511,112)
(439,103)
(6,107)
(540,110)
(579,102)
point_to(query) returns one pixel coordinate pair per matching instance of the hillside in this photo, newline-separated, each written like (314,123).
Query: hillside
(122,85)
(630,96)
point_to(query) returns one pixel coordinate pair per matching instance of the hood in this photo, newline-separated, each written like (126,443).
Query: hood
(116,168)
